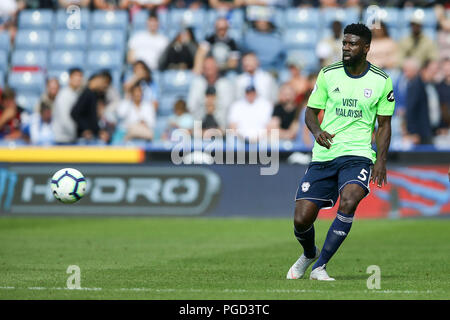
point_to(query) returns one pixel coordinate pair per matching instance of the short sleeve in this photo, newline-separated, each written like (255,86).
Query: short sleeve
(319,95)
(386,103)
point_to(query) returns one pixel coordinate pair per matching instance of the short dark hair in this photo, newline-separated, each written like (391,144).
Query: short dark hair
(359,29)
(75,69)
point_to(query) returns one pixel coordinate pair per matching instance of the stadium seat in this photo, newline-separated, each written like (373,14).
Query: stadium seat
(346,16)
(427,16)
(3,60)
(307,58)
(5,42)
(70,39)
(187,18)
(61,74)
(32,39)
(105,59)
(36,19)
(37,58)
(300,38)
(73,20)
(27,101)
(166,104)
(30,82)
(430,32)
(302,18)
(104,19)
(390,16)
(107,39)
(176,81)
(65,59)
(160,127)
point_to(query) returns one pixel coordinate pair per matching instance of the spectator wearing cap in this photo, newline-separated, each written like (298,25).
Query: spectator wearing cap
(209,120)
(224,93)
(148,45)
(220,46)
(253,75)
(265,41)
(329,49)
(249,116)
(417,44)
(64,127)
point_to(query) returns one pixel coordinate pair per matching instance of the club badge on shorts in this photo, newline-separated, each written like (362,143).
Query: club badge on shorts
(367,93)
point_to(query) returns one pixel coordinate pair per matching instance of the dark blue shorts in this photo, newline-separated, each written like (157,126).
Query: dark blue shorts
(323,181)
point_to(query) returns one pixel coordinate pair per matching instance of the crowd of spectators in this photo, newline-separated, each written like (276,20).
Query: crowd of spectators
(236,86)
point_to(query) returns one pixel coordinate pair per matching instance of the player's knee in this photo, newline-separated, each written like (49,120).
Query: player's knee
(348,204)
(303,219)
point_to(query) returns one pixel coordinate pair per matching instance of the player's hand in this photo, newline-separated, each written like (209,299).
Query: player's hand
(379,174)
(324,139)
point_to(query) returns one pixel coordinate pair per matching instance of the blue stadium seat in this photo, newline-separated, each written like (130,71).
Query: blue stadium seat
(404,32)
(279,19)
(36,19)
(346,16)
(28,101)
(70,39)
(300,38)
(30,82)
(2,79)
(65,59)
(427,16)
(188,18)
(235,18)
(3,60)
(103,19)
(166,103)
(160,127)
(176,81)
(73,20)
(107,39)
(390,16)
(308,58)
(105,59)
(61,74)
(32,39)
(301,18)
(5,42)
(36,58)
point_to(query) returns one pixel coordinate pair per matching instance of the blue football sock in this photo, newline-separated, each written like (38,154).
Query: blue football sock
(337,233)
(306,239)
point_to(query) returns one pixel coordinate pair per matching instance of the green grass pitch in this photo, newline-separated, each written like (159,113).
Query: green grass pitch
(212,258)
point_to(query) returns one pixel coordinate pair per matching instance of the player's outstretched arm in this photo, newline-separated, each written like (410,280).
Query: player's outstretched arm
(323,138)
(383,139)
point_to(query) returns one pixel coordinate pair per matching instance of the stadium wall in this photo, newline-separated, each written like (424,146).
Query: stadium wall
(158,188)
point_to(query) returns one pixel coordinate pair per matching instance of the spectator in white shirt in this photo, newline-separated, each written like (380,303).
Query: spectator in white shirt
(64,127)
(136,116)
(265,84)
(148,45)
(249,117)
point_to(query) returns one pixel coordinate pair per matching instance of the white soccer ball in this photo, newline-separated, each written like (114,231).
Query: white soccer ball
(68,185)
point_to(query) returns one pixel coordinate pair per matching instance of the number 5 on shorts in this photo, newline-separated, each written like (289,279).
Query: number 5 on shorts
(363,175)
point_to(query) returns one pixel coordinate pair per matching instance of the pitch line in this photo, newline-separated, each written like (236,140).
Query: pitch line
(222,291)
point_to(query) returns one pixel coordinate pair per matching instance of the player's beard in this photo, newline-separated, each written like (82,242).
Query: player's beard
(353,61)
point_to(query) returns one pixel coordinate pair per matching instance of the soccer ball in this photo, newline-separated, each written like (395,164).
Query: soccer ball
(68,185)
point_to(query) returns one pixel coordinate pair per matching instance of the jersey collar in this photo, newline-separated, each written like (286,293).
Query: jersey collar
(361,75)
